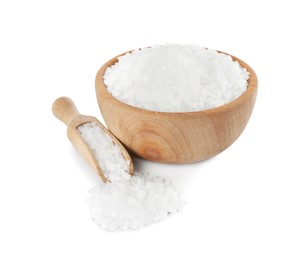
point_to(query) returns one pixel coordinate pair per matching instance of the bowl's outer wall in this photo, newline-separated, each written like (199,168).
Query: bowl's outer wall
(176,137)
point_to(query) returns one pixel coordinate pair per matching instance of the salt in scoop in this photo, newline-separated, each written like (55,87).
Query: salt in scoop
(65,110)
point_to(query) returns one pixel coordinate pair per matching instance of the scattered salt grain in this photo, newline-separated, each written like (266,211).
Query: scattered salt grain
(127,202)
(108,155)
(135,203)
(176,78)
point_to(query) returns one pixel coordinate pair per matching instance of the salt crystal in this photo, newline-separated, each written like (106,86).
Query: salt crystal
(127,202)
(176,78)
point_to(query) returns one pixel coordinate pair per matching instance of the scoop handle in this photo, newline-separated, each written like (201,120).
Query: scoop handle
(64,109)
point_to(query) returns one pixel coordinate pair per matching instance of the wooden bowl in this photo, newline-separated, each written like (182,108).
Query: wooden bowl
(176,137)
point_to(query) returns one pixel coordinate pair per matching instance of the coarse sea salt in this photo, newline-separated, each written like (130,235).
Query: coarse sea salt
(108,155)
(126,202)
(176,78)
(135,203)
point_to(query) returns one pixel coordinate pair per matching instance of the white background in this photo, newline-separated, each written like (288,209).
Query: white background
(246,203)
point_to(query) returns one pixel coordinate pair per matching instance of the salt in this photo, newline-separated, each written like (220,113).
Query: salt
(176,78)
(135,203)
(126,202)
(108,155)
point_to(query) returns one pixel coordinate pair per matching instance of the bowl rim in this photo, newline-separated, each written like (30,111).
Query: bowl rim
(251,90)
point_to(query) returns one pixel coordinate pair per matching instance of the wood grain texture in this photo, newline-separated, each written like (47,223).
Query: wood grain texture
(64,109)
(176,137)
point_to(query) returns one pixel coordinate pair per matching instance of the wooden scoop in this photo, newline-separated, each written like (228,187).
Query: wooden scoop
(64,109)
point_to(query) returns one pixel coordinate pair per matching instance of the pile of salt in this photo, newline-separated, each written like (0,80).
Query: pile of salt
(132,204)
(176,78)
